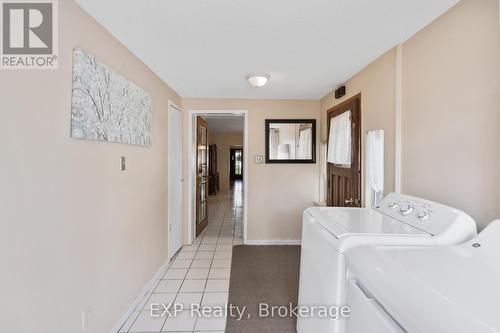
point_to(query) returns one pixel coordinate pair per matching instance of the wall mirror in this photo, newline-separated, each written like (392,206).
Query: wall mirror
(290,141)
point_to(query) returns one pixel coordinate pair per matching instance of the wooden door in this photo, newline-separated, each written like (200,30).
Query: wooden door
(344,183)
(201,175)
(236,167)
(213,175)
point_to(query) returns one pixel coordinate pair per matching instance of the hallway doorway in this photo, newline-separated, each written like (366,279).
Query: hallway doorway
(226,165)
(236,164)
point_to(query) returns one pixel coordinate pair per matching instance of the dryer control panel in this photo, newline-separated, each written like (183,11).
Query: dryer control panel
(426,215)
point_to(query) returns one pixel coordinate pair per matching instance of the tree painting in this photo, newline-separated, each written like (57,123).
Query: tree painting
(106,106)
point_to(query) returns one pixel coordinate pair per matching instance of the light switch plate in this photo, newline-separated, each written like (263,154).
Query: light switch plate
(259,159)
(122,163)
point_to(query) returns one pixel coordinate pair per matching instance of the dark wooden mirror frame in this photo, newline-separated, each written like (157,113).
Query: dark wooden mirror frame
(292,121)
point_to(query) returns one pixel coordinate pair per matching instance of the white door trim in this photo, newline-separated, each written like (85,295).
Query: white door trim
(191,213)
(398,118)
(171,104)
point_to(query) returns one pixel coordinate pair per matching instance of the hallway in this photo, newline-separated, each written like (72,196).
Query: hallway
(199,274)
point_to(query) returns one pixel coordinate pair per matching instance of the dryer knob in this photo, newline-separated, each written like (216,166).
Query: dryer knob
(406,210)
(422,216)
(393,205)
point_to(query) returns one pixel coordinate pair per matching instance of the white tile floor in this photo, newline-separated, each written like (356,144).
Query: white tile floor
(199,274)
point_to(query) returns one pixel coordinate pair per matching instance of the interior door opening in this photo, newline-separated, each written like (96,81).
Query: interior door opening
(236,166)
(217,188)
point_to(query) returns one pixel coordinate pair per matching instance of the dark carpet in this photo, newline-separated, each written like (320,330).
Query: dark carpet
(263,275)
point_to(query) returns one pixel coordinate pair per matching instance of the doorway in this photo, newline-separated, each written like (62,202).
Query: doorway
(344,179)
(193,166)
(236,166)
(174,179)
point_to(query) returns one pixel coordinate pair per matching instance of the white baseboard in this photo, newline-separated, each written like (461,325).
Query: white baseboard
(139,298)
(273,242)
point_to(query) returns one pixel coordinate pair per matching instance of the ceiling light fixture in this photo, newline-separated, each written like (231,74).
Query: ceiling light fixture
(258,80)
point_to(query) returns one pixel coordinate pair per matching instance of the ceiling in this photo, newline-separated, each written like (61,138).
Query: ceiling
(225,124)
(206,48)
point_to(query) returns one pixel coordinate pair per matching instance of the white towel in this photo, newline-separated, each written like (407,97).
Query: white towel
(375,160)
(274,141)
(339,144)
(304,151)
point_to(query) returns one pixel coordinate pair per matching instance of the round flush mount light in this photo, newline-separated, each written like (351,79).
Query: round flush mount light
(258,80)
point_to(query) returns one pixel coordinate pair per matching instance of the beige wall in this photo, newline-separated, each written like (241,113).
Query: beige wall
(376,83)
(277,194)
(77,233)
(224,142)
(451,110)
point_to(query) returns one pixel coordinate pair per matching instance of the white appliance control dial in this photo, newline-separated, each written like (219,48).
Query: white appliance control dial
(406,210)
(422,216)
(431,217)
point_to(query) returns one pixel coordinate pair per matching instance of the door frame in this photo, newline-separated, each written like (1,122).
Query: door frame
(191,195)
(335,111)
(169,236)
(231,149)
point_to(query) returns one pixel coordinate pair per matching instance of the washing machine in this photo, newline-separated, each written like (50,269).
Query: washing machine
(328,232)
(445,289)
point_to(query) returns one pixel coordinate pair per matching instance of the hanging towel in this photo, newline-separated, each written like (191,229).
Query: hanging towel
(375,160)
(274,141)
(339,144)
(304,151)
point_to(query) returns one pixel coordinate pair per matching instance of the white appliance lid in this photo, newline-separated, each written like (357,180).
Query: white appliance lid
(423,286)
(342,222)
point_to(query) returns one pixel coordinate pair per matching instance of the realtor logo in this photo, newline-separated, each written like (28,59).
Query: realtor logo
(29,34)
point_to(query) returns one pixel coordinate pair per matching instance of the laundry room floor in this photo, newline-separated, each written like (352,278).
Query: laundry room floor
(199,274)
